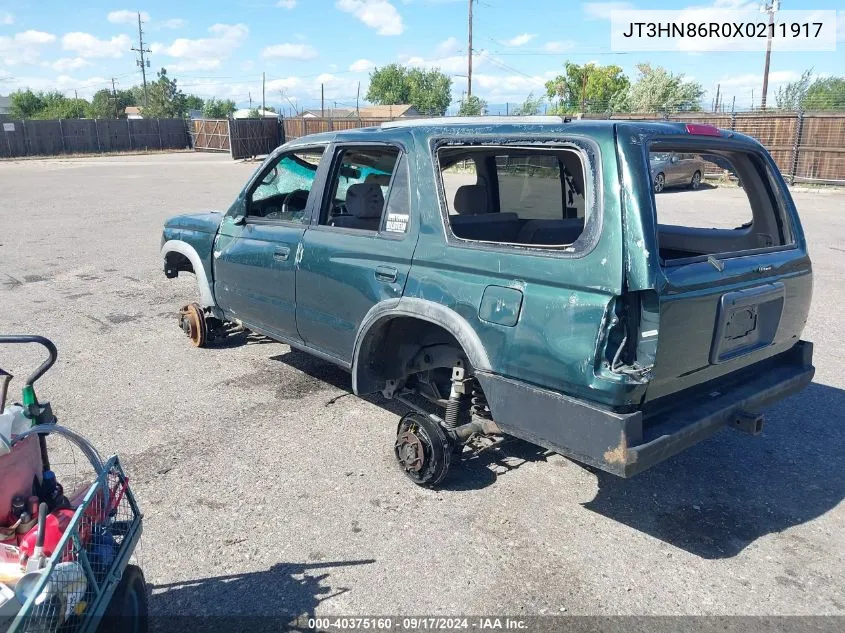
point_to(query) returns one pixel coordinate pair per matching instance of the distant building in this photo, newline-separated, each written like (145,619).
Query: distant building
(398,111)
(246,113)
(133,112)
(331,113)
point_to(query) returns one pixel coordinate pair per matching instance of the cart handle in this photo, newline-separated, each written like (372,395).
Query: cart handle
(31,338)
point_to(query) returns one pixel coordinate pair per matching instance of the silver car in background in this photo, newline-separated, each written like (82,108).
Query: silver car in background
(670,169)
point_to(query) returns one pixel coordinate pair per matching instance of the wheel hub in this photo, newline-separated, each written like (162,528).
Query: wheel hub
(410,451)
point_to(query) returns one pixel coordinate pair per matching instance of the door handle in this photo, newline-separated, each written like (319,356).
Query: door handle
(281,253)
(386,273)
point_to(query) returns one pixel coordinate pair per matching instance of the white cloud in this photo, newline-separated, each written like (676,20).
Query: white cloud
(361,65)
(286,4)
(448,46)
(6,18)
(125,16)
(840,26)
(202,63)
(86,45)
(377,14)
(205,53)
(558,46)
(65,64)
(23,47)
(751,80)
(451,64)
(509,88)
(289,51)
(520,40)
(602,10)
(63,83)
(172,23)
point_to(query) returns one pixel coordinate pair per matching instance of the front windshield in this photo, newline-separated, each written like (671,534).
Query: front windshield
(659,157)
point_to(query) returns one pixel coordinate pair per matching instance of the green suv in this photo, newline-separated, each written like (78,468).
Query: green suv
(519,277)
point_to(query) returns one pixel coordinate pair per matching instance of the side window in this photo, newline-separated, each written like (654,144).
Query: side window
(519,195)
(283,192)
(399,201)
(462,172)
(360,186)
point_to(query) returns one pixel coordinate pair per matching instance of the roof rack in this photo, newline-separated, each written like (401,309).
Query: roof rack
(475,120)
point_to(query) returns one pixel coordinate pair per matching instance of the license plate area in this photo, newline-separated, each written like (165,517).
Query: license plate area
(747,321)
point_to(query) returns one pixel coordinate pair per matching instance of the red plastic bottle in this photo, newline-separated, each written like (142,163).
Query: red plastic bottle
(57,522)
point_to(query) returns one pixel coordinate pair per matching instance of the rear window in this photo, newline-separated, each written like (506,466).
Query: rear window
(514,195)
(711,202)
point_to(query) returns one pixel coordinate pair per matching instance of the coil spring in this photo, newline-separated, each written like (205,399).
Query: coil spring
(478,404)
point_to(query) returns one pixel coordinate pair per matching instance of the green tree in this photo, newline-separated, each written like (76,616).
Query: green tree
(599,88)
(806,93)
(25,104)
(102,104)
(58,106)
(429,91)
(791,96)
(473,106)
(193,102)
(658,90)
(826,93)
(218,109)
(164,100)
(529,107)
(389,85)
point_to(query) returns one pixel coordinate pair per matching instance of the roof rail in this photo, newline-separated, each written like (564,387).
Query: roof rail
(474,120)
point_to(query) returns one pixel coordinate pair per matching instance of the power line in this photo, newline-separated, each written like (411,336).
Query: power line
(144,64)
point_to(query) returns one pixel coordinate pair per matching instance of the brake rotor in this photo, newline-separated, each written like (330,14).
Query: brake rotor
(410,451)
(192,321)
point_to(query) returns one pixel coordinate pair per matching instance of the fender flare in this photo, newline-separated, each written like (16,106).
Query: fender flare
(423,310)
(183,248)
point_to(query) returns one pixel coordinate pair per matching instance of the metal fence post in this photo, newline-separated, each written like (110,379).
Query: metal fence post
(62,136)
(796,147)
(733,120)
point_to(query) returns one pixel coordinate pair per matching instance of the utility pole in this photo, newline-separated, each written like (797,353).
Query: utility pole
(250,101)
(357,97)
(718,90)
(584,88)
(322,102)
(469,54)
(770,7)
(143,63)
(262,95)
(114,96)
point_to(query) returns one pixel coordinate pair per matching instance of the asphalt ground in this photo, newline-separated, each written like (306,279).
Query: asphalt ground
(268,490)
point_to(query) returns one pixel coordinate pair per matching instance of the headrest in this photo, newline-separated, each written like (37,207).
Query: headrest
(382,180)
(365,200)
(471,200)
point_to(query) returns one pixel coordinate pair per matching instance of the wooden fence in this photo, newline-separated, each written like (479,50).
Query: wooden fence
(82,136)
(807,146)
(242,138)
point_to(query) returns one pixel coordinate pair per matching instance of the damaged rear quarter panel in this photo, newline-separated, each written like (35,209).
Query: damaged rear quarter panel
(566,294)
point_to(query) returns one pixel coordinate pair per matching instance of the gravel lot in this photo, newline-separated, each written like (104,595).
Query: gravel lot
(264,493)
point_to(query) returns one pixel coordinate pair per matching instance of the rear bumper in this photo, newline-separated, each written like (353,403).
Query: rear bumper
(626,444)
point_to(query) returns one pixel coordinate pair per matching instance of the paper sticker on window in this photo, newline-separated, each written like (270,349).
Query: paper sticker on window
(396,222)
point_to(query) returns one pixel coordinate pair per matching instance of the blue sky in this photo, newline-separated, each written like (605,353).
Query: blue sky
(221,48)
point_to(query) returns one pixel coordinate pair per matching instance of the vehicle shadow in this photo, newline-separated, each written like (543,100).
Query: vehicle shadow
(704,186)
(473,473)
(717,498)
(279,598)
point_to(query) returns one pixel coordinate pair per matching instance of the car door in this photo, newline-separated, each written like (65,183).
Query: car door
(674,170)
(355,255)
(255,251)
